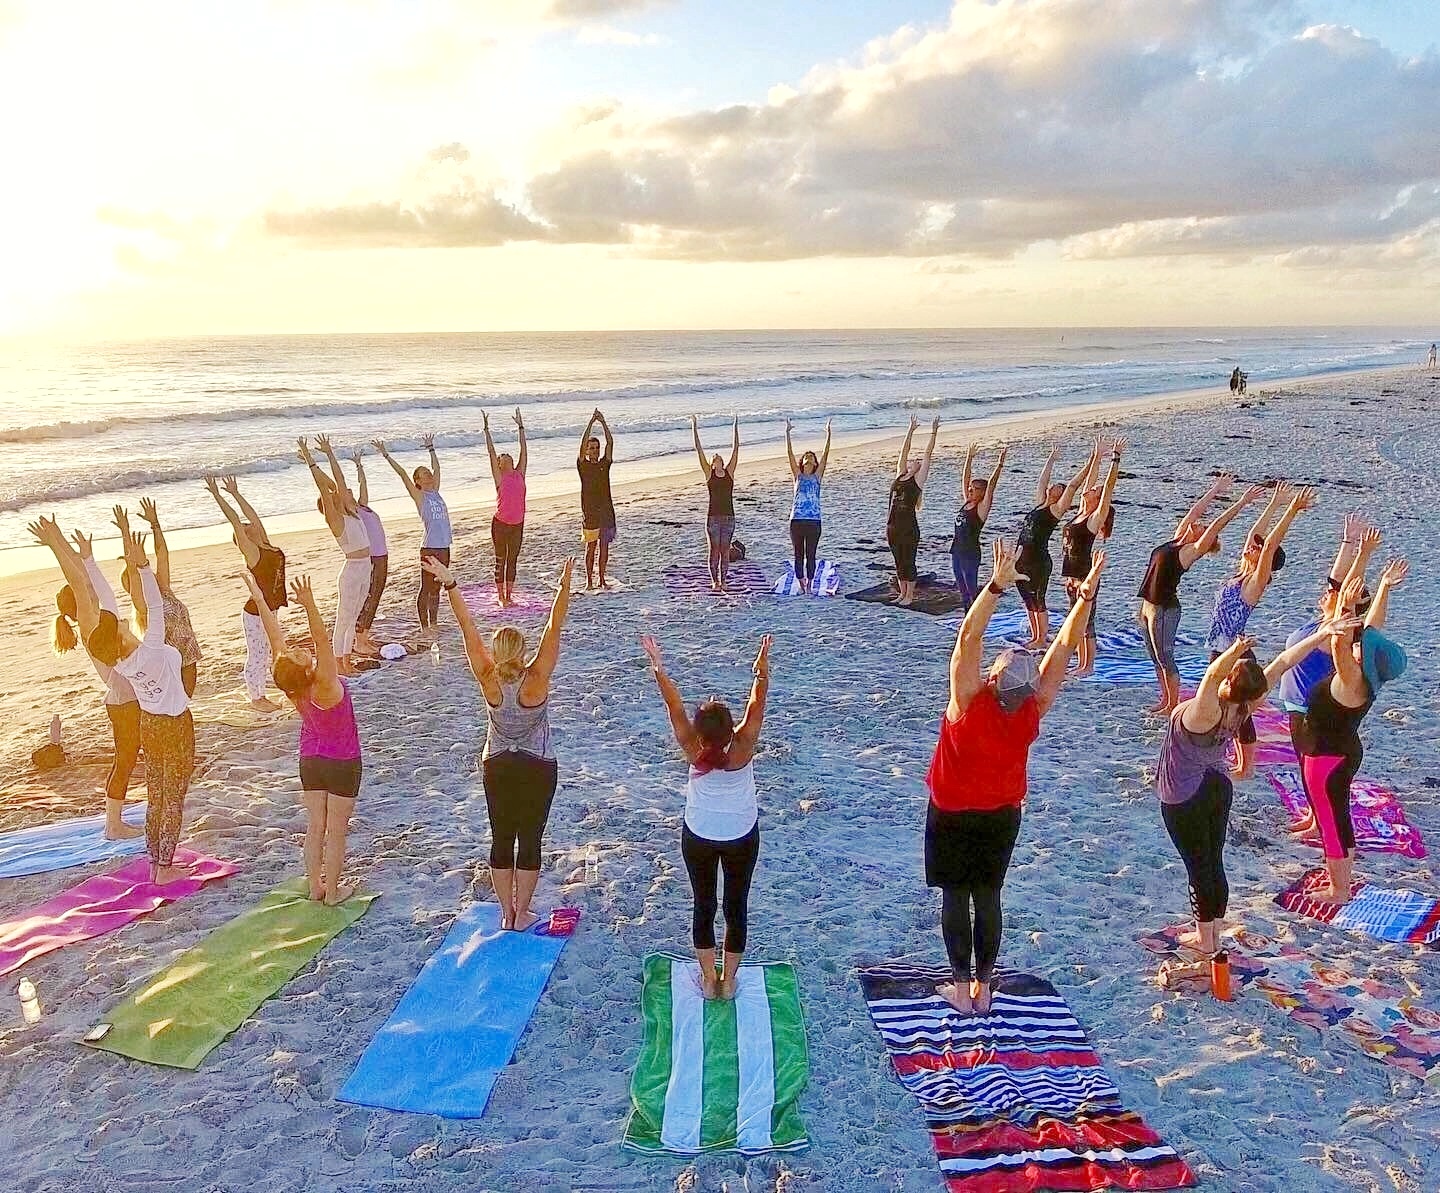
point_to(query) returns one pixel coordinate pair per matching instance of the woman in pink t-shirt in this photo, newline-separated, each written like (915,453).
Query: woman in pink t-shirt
(507,527)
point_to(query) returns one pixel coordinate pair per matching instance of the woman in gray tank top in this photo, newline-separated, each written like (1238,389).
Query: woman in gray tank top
(519,766)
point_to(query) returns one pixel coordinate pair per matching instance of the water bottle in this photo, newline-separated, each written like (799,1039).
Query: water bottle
(592,864)
(29,1001)
(1220,976)
(435,652)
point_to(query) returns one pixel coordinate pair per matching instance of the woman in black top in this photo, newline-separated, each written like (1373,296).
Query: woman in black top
(902,524)
(1095,519)
(720,515)
(965,541)
(1034,563)
(597,506)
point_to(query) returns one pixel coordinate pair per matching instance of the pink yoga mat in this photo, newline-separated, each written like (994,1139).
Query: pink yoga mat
(100,905)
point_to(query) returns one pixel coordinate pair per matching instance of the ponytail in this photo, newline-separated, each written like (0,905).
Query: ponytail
(63,638)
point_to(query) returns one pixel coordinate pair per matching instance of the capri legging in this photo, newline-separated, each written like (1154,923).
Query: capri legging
(519,788)
(507,537)
(1162,625)
(169,761)
(1197,827)
(1327,779)
(704,860)
(427,600)
(904,540)
(354,585)
(805,539)
(125,731)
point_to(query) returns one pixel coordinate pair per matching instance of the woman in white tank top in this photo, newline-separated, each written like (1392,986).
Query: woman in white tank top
(722,826)
(342,515)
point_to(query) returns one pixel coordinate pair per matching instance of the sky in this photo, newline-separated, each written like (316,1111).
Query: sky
(199,167)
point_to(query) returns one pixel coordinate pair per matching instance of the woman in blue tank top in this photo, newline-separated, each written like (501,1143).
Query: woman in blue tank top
(807,472)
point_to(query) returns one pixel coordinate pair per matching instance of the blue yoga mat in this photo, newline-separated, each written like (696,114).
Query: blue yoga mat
(445,1043)
(48,847)
(1128,670)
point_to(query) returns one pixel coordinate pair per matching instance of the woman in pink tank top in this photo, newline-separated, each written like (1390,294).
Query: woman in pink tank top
(507,527)
(330,764)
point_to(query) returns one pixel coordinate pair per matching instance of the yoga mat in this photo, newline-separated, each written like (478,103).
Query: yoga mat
(180,1015)
(48,847)
(458,1025)
(1016,1100)
(99,905)
(826,581)
(693,579)
(718,1075)
(1383,1020)
(1379,820)
(1137,671)
(1401,916)
(938,600)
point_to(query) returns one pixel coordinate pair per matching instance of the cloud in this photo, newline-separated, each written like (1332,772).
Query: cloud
(606,35)
(592,10)
(466,218)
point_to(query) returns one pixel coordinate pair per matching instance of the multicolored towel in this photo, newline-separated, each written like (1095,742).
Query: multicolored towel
(825,583)
(182,1014)
(1401,916)
(48,847)
(717,1075)
(1379,820)
(1016,1100)
(99,905)
(693,579)
(1383,1020)
(445,1043)
(1273,746)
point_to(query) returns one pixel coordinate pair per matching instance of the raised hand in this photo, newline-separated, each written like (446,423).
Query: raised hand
(1003,571)
(437,569)
(427,442)
(762,659)
(1004,451)
(120,520)
(1352,527)
(914,422)
(357,454)
(1395,572)
(149,512)
(302,592)
(1241,644)
(214,487)
(935,424)
(1351,593)
(652,651)
(1092,582)
(519,422)
(304,450)
(1252,494)
(789,426)
(231,485)
(323,443)
(254,586)
(1054,454)
(1370,539)
(134,548)
(85,543)
(1117,449)
(1304,499)
(379,446)
(970,452)
(1342,627)
(565,571)
(1221,484)
(827,428)
(45,530)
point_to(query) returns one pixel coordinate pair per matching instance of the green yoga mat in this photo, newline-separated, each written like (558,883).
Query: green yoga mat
(179,1016)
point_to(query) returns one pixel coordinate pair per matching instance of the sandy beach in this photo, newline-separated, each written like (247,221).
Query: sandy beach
(1251,1099)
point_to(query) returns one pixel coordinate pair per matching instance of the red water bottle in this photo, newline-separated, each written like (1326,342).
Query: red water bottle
(1220,976)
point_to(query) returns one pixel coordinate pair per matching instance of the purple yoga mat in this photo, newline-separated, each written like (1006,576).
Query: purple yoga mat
(100,905)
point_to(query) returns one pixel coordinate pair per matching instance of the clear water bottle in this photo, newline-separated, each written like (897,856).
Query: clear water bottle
(435,652)
(29,1001)
(592,864)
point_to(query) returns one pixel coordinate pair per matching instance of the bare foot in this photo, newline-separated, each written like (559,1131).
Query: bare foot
(263,705)
(339,895)
(123,832)
(905,602)
(604,583)
(709,986)
(957,994)
(1328,894)
(981,993)
(1082,672)
(507,921)
(524,920)
(317,893)
(164,875)
(727,988)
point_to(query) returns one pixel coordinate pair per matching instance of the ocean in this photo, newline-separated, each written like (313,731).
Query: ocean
(84,428)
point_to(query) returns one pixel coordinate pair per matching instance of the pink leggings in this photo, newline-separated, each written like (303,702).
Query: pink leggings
(1327,778)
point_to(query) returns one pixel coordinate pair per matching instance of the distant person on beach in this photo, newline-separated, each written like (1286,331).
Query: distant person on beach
(969,522)
(1430,358)
(1193,783)
(806,473)
(179,633)
(342,516)
(379,559)
(1235,380)
(424,489)
(519,768)
(721,828)
(266,562)
(507,527)
(902,521)
(977,777)
(1094,521)
(330,758)
(720,512)
(597,504)
(79,603)
(167,730)
(1052,502)
(1244,383)
(1159,613)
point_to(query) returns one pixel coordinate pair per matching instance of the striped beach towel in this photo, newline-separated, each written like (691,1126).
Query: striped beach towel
(1016,1100)
(693,579)
(716,1075)
(826,582)
(1379,820)
(1401,916)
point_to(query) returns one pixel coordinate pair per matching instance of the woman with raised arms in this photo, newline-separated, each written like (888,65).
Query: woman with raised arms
(719,476)
(902,520)
(807,472)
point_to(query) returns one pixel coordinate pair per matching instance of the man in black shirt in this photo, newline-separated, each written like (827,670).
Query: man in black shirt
(597,508)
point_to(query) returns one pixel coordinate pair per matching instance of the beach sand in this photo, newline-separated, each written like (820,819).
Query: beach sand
(1252,1100)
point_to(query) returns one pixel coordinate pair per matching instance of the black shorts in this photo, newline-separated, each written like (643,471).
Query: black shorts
(969,849)
(1033,590)
(334,776)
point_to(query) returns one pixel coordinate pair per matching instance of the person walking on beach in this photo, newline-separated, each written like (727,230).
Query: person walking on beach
(179,633)
(330,759)
(977,777)
(167,730)
(902,520)
(597,505)
(806,473)
(78,604)
(969,522)
(1052,502)
(424,489)
(719,476)
(507,527)
(519,768)
(342,516)
(1235,380)
(721,830)
(379,559)
(1095,520)
(266,562)
(1430,359)
(1193,783)
(1159,613)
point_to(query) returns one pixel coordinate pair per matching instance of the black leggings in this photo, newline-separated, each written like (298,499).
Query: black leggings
(507,537)
(379,572)
(805,538)
(427,602)
(967,855)
(1197,827)
(904,544)
(518,790)
(703,860)
(125,730)
(956,928)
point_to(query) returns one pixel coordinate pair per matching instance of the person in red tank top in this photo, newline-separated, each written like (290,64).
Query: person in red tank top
(977,777)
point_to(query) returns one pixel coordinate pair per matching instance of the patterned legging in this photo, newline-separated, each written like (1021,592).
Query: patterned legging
(169,744)
(257,656)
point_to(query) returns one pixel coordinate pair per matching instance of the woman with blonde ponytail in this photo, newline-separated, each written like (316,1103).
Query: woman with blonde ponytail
(519,764)
(78,606)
